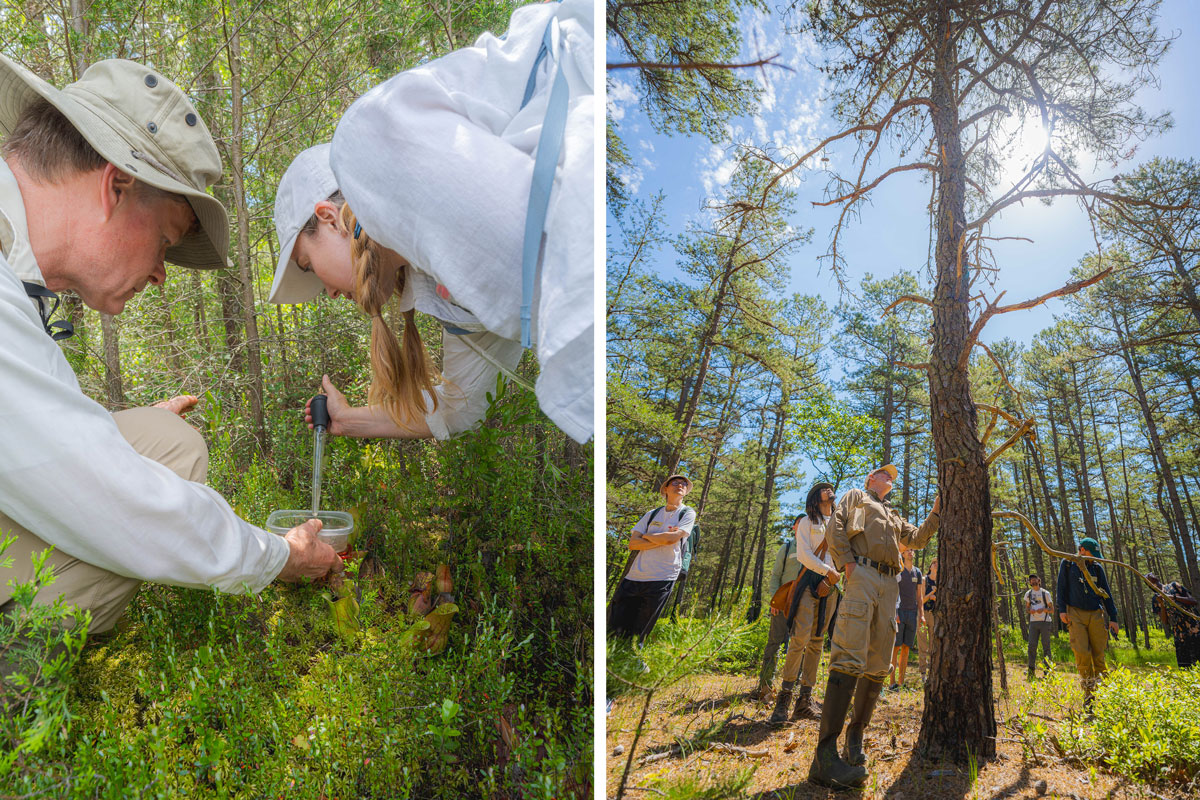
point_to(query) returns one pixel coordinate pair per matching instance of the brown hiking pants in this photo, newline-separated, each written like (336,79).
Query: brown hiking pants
(157,434)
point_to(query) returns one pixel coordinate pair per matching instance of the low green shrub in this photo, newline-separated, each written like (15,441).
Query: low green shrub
(199,694)
(39,646)
(1146,725)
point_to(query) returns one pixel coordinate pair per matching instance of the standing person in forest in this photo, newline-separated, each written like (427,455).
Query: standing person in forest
(100,184)
(430,193)
(784,572)
(909,615)
(925,630)
(1184,629)
(865,536)
(658,540)
(813,603)
(1082,610)
(1039,606)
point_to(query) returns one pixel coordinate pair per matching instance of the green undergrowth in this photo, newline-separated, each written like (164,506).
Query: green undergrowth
(199,694)
(1146,726)
(1120,651)
(1144,723)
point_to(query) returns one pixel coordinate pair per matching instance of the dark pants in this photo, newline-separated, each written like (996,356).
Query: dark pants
(635,608)
(776,637)
(1039,630)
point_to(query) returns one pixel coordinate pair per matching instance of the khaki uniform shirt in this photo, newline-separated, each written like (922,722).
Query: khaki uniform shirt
(864,525)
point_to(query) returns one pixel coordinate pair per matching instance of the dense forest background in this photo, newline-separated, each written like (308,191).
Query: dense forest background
(225,696)
(717,370)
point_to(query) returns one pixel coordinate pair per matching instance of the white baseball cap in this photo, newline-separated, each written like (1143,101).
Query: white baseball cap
(308,181)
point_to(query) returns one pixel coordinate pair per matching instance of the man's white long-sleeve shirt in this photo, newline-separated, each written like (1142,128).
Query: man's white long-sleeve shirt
(68,475)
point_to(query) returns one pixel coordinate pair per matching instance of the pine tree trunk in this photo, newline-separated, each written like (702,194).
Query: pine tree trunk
(773,454)
(958,719)
(249,321)
(1160,455)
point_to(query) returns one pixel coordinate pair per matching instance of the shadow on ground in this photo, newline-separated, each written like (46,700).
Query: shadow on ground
(918,779)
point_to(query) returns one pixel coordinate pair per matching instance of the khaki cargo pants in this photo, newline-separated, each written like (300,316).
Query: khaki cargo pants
(1089,637)
(157,434)
(866,625)
(804,646)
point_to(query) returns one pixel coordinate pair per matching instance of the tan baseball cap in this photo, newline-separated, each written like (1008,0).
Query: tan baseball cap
(663,488)
(143,124)
(890,469)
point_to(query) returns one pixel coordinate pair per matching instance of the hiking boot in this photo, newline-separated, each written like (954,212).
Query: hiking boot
(779,715)
(806,707)
(827,768)
(866,694)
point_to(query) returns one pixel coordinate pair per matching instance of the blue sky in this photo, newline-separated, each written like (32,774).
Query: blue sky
(893,231)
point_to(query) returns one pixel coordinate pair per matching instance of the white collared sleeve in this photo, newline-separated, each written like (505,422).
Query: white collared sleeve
(468,376)
(68,475)
(805,553)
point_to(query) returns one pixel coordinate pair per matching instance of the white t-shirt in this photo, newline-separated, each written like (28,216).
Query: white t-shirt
(661,563)
(1040,605)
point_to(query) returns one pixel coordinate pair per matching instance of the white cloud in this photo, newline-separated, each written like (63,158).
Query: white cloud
(620,96)
(646,144)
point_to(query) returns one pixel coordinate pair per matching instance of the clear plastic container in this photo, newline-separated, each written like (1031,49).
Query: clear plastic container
(335,531)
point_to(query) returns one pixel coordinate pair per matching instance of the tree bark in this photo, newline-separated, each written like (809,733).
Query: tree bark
(959,718)
(249,321)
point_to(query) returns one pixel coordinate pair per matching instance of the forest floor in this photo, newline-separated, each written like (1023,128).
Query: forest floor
(706,713)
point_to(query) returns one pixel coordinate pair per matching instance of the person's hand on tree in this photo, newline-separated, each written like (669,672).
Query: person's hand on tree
(308,556)
(179,404)
(336,405)
(937,504)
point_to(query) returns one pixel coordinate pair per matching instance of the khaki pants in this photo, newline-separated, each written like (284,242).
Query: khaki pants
(866,625)
(924,640)
(157,434)
(1089,638)
(805,646)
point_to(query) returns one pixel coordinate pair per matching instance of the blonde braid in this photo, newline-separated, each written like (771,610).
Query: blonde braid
(402,374)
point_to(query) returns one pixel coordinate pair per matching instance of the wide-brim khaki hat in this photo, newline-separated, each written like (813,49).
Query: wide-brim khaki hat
(144,125)
(890,469)
(663,488)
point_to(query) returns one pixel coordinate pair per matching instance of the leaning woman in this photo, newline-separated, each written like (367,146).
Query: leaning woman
(426,196)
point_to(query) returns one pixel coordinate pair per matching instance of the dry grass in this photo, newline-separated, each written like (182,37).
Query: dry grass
(709,710)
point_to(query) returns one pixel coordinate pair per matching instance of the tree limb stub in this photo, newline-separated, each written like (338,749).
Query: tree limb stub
(912,298)
(993,308)
(690,65)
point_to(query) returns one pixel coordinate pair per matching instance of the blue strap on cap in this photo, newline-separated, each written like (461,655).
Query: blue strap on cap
(544,166)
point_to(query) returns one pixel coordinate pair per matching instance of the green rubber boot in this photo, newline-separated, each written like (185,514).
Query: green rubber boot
(866,694)
(780,714)
(828,769)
